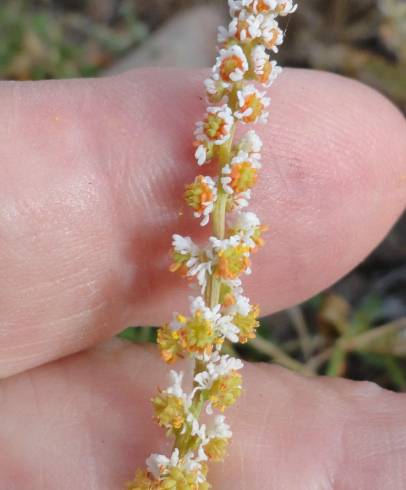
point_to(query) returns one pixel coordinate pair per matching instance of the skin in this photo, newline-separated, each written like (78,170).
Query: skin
(90,179)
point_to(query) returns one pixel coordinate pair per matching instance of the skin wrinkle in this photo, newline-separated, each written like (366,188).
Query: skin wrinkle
(264,442)
(68,317)
(157,130)
(61,284)
(115,181)
(241,466)
(61,333)
(91,475)
(333,467)
(323,471)
(153,198)
(388,444)
(371,453)
(41,470)
(14,362)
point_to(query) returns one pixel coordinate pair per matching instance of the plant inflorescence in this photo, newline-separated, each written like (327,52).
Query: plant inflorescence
(220,312)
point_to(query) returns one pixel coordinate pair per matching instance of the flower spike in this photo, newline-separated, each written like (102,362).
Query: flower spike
(220,313)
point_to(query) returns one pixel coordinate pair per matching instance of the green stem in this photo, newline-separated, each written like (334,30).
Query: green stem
(220,208)
(336,366)
(270,349)
(184,441)
(219,215)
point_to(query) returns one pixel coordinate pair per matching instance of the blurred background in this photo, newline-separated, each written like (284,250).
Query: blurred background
(358,328)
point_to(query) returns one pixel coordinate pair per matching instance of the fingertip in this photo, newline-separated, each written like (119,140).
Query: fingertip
(332,184)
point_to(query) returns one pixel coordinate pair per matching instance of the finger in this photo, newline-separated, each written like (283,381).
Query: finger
(91,180)
(85,422)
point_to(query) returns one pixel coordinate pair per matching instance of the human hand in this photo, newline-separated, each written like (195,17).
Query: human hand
(90,177)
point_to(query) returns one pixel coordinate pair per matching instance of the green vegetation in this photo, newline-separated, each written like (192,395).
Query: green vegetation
(37,41)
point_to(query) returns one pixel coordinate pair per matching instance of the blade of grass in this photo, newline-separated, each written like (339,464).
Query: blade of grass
(274,352)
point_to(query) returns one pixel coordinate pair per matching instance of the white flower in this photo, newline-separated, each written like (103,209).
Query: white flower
(226,171)
(252,103)
(243,157)
(201,271)
(222,324)
(211,86)
(203,380)
(274,7)
(201,155)
(276,70)
(242,199)
(175,387)
(246,26)
(237,5)
(247,221)
(219,366)
(219,131)
(226,180)
(219,245)
(271,34)
(228,330)
(192,464)
(242,306)
(284,7)
(207,205)
(201,274)
(220,429)
(157,464)
(185,245)
(212,357)
(196,268)
(252,145)
(270,7)
(267,71)
(231,65)
(247,224)
(235,285)
(222,35)
(259,58)
(209,314)
(232,242)
(215,88)
(198,430)
(201,455)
